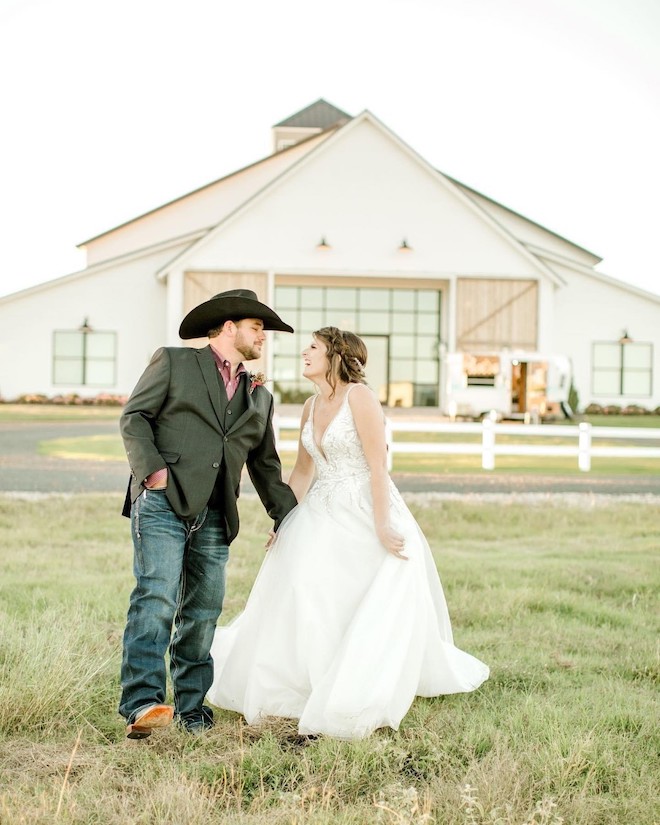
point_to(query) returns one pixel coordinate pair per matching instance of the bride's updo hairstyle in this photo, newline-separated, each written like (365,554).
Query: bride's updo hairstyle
(346,354)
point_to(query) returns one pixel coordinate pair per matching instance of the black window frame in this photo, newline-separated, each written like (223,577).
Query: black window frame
(84,358)
(621,370)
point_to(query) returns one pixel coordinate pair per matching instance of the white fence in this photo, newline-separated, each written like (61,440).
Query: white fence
(583,448)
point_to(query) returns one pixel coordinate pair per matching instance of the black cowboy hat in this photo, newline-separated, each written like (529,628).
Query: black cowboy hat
(232,305)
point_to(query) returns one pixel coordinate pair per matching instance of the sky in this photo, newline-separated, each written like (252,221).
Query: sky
(110,109)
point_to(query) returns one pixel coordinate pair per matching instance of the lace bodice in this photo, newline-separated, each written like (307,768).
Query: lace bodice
(339,456)
(342,472)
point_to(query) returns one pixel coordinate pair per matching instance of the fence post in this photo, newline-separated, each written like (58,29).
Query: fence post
(488,444)
(584,447)
(388,442)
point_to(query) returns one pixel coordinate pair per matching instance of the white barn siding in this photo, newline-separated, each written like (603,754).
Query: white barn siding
(364,195)
(546,317)
(591,309)
(530,233)
(126,299)
(364,191)
(198,210)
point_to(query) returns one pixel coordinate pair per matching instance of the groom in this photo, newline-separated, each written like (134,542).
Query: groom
(194,419)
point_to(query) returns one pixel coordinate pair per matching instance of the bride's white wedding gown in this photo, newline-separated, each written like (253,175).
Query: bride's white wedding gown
(337,632)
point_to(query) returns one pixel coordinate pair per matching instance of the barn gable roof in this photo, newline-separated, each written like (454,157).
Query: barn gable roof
(341,133)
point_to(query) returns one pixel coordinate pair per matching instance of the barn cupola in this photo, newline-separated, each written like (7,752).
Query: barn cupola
(307,122)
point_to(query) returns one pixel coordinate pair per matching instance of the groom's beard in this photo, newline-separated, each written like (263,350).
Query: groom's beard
(249,352)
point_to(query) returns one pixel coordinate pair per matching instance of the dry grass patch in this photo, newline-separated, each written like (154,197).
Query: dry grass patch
(560,600)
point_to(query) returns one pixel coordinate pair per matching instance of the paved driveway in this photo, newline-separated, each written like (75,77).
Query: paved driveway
(22,469)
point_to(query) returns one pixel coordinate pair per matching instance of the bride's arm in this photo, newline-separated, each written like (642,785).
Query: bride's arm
(303,471)
(370,425)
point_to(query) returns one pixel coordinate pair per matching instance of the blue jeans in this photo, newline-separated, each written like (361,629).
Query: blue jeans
(179,567)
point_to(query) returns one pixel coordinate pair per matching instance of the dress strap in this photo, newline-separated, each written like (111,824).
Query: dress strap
(348,392)
(310,414)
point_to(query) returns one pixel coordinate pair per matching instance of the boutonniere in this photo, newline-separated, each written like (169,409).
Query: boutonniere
(257,379)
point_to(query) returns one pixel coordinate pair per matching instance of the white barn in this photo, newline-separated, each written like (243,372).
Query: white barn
(343,224)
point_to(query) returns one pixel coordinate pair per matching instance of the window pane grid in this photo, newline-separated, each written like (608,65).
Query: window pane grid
(84,358)
(408,318)
(623,369)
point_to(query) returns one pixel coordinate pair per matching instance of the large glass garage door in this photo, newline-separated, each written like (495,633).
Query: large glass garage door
(403,353)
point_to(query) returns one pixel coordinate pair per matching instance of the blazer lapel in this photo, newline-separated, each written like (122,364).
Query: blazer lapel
(216,388)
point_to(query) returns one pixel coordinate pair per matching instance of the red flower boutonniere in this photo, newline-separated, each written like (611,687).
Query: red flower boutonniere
(257,379)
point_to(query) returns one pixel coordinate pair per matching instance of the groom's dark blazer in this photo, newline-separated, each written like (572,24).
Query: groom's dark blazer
(178,417)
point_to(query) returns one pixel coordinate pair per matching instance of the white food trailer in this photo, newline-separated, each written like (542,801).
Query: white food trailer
(510,384)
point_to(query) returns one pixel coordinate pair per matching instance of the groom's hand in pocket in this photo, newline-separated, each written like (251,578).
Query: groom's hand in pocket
(157,480)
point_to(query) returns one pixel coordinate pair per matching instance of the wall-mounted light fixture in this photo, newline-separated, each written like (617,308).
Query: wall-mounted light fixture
(623,341)
(405,247)
(85,329)
(323,244)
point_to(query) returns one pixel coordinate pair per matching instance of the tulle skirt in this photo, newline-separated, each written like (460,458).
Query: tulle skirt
(338,633)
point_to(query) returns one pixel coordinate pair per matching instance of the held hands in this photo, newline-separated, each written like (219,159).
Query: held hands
(392,541)
(270,540)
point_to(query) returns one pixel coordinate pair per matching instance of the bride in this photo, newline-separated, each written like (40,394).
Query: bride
(347,621)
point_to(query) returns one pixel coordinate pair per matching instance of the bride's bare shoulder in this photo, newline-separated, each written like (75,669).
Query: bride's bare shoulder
(363,399)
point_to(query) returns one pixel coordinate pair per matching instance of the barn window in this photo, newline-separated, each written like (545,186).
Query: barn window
(622,367)
(84,357)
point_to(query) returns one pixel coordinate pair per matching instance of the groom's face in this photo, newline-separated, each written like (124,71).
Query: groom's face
(250,337)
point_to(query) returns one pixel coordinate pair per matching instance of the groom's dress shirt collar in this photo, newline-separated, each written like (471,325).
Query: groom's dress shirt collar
(224,368)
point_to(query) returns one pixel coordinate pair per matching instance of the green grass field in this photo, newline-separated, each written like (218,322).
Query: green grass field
(560,600)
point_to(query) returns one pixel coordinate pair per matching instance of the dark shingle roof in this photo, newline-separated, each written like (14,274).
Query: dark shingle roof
(318,115)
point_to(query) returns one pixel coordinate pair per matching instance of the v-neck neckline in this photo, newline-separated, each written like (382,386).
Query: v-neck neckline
(319,444)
